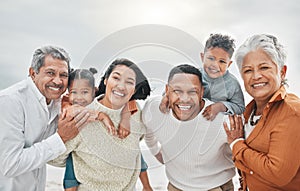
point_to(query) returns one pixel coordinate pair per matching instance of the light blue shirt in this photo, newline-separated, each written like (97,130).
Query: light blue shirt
(225,89)
(28,137)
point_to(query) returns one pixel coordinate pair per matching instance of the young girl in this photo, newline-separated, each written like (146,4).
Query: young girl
(81,92)
(87,146)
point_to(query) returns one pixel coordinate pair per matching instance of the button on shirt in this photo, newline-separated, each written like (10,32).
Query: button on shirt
(28,137)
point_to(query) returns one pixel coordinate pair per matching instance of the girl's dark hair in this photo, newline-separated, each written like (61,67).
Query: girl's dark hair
(83,74)
(142,87)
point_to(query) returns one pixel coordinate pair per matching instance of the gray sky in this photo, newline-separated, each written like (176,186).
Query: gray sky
(80,24)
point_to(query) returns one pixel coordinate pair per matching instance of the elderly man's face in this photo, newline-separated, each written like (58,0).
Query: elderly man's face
(52,78)
(185,93)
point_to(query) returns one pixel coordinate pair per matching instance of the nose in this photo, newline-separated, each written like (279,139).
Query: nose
(57,80)
(256,74)
(121,85)
(184,96)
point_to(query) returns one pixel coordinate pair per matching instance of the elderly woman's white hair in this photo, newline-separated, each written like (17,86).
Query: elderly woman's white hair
(267,43)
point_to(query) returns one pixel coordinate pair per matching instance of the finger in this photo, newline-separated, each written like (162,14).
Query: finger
(226,128)
(232,122)
(64,113)
(81,120)
(121,136)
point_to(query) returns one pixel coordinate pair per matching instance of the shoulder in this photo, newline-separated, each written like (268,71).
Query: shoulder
(152,103)
(231,77)
(292,103)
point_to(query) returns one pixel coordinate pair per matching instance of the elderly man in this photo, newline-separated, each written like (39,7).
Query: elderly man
(194,150)
(32,132)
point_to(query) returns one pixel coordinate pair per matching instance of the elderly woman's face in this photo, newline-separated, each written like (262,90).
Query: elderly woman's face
(262,77)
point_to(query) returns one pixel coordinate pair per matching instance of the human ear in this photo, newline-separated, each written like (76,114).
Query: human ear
(283,72)
(230,62)
(202,56)
(32,73)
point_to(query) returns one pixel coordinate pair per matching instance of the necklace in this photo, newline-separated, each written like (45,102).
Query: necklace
(253,123)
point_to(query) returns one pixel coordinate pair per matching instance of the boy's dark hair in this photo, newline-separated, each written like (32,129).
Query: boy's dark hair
(186,69)
(221,41)
(83,74)
(142,87)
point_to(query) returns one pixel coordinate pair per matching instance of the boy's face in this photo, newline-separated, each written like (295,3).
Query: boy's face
(215,62)
(80,92)
(185,95)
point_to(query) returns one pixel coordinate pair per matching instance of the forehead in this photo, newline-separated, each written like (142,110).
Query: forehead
(54,63)
(124,71)
(216,51)
(185,81)
(257,57)
(80,83)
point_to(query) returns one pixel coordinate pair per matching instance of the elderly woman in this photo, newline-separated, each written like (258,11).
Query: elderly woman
(266,148)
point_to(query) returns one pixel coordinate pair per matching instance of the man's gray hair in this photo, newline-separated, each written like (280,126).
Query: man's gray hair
(268,43)
(38,59)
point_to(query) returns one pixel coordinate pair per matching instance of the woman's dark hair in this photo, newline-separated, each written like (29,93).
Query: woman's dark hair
(83,74)
(142,87)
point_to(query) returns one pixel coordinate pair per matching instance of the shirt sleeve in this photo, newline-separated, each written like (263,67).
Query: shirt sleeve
(71,145)
(279,159)
(15,157)
(132,107)
(148,116)
(235,102)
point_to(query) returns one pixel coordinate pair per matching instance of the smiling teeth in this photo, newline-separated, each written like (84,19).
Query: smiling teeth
(184,107)
(214,70)
(53,88)
(259,85)
(118,93)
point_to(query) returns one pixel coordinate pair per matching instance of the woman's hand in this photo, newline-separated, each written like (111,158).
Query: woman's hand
(236,129)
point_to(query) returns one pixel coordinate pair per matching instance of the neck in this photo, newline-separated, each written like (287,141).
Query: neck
(259,107)
(104,101)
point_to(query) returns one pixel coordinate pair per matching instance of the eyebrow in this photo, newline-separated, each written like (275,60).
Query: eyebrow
(117,73)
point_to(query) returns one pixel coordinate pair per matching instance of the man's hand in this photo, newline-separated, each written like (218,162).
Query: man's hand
(71,121)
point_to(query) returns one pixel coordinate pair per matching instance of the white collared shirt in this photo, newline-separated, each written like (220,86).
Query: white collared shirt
(28,138)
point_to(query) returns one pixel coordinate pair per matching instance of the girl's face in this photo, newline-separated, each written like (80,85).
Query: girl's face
(120,86)
(80,92)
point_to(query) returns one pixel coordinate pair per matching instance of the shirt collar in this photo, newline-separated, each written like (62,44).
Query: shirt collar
(279,95)
(35,90)
(40,96)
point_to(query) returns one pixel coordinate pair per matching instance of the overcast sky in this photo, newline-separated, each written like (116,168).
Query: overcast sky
(80,24)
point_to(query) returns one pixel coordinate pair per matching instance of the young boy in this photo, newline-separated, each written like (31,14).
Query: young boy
(220,86)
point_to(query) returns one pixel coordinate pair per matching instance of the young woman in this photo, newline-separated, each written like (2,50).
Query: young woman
(103,161)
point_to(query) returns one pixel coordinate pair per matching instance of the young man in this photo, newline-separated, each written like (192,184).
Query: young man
(194,150)
(32,132)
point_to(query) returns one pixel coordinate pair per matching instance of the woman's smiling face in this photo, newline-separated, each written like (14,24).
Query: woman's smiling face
(261,76)
(120,86)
